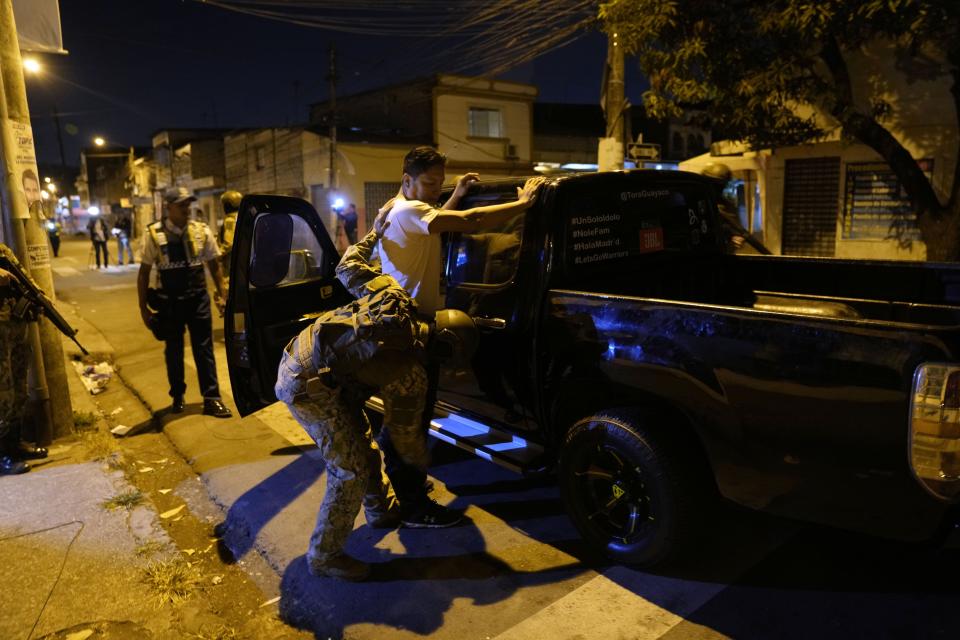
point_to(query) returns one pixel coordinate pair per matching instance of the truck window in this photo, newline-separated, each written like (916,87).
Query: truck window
(285,251)
(616,231)
(489,257)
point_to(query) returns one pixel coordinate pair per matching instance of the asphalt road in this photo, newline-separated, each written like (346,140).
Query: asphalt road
(755,577)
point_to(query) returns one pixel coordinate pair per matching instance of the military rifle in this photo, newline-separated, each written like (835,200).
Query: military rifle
(31,301)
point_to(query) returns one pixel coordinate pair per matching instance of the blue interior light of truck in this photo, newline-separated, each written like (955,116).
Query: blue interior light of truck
(514,443)
(463,427)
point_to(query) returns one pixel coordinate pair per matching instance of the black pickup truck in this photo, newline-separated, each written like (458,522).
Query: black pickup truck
(625,350)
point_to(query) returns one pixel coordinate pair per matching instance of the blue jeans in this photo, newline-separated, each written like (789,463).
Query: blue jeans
(123,242)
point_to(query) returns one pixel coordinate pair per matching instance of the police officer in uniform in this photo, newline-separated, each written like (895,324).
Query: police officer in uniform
(176,296)
(375,344)
(14,356)
(230,201)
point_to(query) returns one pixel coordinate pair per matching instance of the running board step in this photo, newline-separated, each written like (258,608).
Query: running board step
(505,449)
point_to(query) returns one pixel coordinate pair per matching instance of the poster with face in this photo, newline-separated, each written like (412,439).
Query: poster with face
(25,167)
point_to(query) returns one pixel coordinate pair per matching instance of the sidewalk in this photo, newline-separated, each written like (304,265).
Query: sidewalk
(112,539)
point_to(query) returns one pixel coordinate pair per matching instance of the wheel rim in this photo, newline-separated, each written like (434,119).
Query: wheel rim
(614,494)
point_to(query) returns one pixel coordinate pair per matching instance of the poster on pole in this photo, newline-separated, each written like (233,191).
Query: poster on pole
(24,167)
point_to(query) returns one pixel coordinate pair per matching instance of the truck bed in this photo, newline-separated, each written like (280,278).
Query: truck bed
(882,291)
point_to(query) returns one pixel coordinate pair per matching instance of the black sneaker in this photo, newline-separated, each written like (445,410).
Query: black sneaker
(177,405)
(431,516)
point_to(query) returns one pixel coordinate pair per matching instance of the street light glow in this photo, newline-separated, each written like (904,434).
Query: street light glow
(93,210)
(52,188)
(32,65)
(99,141)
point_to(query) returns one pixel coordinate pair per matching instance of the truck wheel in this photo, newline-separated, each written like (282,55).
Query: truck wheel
(629,492)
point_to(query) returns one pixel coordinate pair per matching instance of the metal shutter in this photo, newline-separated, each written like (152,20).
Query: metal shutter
(375,194)
(810,206)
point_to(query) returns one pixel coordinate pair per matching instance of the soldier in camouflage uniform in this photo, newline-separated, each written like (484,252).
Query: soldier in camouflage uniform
(327,372)
(14,356)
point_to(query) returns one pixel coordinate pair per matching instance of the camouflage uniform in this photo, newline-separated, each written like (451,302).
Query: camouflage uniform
(14,356)
(324,378)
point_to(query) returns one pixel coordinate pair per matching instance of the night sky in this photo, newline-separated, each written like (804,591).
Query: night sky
(138,66)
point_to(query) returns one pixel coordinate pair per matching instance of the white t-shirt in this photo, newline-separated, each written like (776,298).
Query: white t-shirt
(410,254)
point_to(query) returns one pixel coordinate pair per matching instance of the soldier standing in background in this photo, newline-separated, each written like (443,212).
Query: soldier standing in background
(14,358)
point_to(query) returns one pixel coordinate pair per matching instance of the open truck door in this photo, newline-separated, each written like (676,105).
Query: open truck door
(281,277)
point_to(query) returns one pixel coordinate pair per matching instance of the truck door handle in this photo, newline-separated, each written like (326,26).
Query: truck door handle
(490,323)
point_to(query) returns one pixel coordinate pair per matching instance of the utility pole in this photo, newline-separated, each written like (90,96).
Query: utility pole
(332,78)
(53,413)
(610,151)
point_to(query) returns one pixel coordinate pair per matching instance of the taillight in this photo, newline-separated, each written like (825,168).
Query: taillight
(935,428)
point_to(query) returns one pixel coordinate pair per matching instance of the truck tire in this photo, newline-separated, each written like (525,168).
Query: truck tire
(635,495)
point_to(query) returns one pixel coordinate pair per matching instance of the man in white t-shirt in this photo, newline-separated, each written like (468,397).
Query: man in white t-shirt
(410,253)
(410,247)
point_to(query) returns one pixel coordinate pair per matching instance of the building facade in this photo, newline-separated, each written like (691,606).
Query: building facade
(480,124)
(837,197)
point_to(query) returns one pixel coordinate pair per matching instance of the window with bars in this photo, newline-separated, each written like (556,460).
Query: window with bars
(375,194)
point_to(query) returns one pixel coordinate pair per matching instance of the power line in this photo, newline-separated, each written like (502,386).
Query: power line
(477,35)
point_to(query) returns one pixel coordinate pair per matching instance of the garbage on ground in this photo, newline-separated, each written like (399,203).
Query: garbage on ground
(121,430)
(172,512)
(94,376)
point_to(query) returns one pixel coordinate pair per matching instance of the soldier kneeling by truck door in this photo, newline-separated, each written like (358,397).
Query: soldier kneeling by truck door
(374,344)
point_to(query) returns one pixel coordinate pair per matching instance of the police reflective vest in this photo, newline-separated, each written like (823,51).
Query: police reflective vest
(180,266)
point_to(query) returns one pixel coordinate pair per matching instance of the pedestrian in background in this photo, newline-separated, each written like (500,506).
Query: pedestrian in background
(98,236)
(122,229)
(53,232)
(230,201)
(174,297)
(349,220)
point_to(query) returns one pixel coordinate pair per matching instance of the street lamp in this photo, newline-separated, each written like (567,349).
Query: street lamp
(99,141)
(32,65)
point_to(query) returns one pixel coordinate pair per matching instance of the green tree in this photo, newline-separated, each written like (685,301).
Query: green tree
(756,68)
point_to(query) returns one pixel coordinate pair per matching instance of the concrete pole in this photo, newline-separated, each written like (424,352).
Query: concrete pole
(610,152)
(54,413)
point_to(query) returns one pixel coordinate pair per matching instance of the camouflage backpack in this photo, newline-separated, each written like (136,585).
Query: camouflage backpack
(348,337)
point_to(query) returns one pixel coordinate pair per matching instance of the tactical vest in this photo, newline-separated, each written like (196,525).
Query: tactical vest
(180,267)
(348,337)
